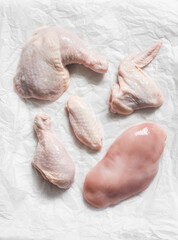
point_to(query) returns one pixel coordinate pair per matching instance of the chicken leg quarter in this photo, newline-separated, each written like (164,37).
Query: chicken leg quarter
(135,90)
(51,159)
(41,72)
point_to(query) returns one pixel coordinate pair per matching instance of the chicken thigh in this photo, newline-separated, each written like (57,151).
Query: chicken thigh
(128,167)
(51,159)
(83,123)
(135,90)
(41,72)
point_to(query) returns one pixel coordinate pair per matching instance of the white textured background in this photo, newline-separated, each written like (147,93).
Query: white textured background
(30,207)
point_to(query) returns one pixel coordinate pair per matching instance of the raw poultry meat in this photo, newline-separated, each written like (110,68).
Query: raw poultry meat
(128,167)
(51,159)
(83,123)
(135,90)
(41,72)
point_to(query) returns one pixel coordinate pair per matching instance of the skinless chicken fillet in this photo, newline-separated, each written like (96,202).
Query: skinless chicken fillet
(84,123)
(51,159)
(135,90)
(42,71)
(128,167)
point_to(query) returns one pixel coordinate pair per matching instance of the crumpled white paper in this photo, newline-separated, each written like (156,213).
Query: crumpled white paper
(30,207)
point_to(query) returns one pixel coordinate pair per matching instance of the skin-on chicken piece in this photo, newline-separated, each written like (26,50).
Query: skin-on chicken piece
(135,90)
(51,159)
(128,167)
(41,72)
(83,123)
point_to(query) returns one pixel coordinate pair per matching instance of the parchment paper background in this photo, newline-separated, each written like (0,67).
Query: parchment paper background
(30,207)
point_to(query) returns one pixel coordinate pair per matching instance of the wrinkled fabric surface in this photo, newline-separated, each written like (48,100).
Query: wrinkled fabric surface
(32,208)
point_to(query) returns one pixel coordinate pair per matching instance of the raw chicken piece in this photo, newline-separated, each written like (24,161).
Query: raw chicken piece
(84,123)
(128,167)
(41,72)
(51,159)
(135,90)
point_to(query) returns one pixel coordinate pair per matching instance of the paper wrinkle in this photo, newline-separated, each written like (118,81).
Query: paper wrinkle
(32,208)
